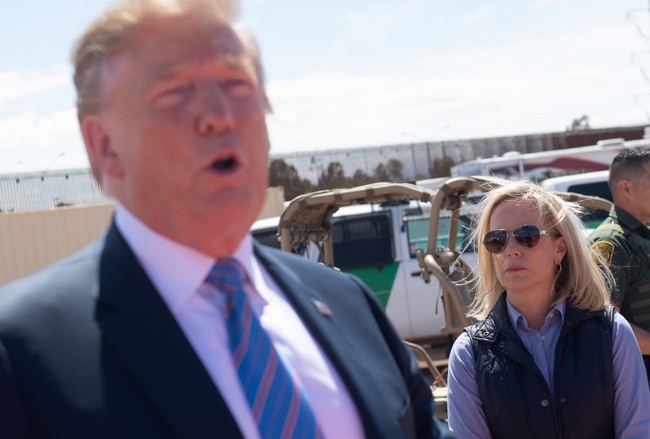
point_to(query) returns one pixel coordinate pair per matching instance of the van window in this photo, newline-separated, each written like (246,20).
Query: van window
(596,188)
(268,236)
(417,229)
(592,218)
(364,240)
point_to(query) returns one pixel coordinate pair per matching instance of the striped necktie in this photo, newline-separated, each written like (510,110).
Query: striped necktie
(277,402)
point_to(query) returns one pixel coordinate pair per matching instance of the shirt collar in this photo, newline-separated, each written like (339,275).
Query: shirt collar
(626,219)
(176,270)
(516,317)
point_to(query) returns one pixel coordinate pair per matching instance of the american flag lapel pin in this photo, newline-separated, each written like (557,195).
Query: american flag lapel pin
(322,308)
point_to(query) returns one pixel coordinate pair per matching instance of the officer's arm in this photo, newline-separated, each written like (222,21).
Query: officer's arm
(623,270)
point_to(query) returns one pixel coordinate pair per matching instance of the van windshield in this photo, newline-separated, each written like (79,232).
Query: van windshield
(417,229)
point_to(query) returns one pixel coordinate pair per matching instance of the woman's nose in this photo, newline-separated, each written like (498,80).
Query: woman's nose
(512,246)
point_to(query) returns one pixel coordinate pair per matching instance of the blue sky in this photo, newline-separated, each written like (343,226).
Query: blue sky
(366,72)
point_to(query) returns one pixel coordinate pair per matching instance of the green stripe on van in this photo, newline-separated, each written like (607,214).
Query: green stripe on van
(379,281)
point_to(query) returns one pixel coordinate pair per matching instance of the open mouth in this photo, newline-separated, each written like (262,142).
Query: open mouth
(225,164)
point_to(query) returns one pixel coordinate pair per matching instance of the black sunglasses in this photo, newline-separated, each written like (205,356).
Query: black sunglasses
(527,235)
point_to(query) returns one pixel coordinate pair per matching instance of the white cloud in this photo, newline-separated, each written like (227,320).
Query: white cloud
(21,85)
(493,88)
(486,93)
(32,140)
(31,129)
(536,83)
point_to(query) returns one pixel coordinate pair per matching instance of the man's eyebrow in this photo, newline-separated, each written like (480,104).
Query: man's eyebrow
(230,62)
(242,62)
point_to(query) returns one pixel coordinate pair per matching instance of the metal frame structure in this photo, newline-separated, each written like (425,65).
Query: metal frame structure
(308,218)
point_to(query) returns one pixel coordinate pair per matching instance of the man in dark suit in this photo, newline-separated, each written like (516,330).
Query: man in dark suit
(130,338)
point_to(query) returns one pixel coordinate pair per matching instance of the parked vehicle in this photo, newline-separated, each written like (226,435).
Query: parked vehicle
(588,183)
(394,236)
(372,232)
(537,166)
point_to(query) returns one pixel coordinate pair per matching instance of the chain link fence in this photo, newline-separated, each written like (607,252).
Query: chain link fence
(36,191)
(305,171)
(302,172)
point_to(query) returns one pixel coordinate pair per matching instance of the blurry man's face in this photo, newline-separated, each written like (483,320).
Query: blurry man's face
(184,118)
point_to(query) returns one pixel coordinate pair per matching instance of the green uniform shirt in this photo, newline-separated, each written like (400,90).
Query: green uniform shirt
(625,244)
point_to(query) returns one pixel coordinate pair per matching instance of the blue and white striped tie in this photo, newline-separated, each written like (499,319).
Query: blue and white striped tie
(277,402)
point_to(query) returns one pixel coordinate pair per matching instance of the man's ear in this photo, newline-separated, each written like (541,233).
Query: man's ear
(101,154)
(624,187)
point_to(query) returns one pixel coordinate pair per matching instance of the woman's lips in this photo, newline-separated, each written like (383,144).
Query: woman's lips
(515,268)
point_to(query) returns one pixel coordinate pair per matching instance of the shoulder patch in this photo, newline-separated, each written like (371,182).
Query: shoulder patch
(605,248)
(610,226)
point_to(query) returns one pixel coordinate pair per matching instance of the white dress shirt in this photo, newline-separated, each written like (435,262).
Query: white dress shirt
(178,273)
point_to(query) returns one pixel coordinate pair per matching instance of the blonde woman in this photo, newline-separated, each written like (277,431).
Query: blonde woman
(549,357)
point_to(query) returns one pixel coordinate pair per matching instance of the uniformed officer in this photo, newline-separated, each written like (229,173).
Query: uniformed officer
(624,241)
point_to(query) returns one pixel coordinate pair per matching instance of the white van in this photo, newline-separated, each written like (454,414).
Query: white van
(588,183)
(537,166)
(377,243)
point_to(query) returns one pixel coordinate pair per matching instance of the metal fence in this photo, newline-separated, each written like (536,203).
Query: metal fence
(36,191)
(433,159)
(305,171)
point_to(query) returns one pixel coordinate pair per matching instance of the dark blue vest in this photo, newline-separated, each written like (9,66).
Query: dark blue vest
(516,399)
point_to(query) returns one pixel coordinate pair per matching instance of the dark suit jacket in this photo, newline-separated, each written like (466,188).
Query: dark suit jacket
(88,349)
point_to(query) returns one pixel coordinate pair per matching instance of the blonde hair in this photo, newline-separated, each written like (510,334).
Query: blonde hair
(114,29)
(584,280)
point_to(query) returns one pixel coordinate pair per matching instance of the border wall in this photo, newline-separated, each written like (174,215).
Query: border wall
(31,240)
(431,159)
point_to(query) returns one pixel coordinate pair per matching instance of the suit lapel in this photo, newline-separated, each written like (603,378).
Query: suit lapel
(346,358)
(145,337)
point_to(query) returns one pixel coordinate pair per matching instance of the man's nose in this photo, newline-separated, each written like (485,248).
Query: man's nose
(215,112)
